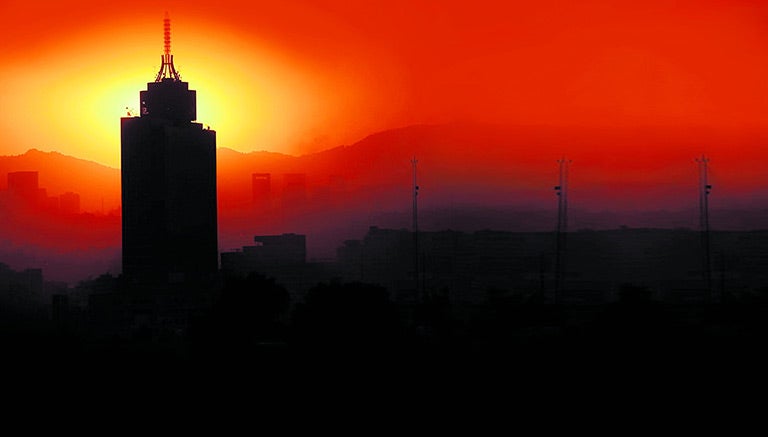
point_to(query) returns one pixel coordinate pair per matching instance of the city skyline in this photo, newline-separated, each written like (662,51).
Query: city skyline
(645,99)
(161,162)
(410,209)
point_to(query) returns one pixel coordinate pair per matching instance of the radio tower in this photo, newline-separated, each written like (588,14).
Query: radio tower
(167,70)
(704,189)
(414,162)
(562,224)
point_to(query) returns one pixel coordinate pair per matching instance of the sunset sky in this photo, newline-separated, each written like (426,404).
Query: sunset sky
(301,76)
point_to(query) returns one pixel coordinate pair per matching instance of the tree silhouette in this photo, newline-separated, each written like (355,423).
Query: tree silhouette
(346,316)
(249,312)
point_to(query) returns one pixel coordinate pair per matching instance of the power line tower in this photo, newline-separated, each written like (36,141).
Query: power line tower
(562,224)
(415,225)
(704,190)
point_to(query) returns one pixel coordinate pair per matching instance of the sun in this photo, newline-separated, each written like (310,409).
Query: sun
(70,98)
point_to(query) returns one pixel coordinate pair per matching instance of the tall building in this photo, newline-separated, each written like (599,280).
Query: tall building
(168,184)
(24,189)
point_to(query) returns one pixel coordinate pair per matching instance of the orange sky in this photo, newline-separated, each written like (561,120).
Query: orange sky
(299,76)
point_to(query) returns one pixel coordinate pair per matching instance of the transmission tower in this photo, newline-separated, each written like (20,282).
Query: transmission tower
(414,162)
(562,224)
(704,190)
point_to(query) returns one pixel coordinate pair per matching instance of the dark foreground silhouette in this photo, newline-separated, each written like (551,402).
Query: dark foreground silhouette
(249,326)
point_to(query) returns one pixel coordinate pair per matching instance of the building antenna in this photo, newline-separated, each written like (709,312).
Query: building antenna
(415,226)
(704,190)
(562,224)
(167,70)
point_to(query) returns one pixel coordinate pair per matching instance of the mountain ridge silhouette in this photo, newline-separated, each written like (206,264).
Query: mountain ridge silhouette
(463,163)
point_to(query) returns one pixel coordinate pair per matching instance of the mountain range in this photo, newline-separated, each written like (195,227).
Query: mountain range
(470,177)
(476,165)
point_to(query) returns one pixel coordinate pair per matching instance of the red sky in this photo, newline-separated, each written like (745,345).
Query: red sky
(298,76)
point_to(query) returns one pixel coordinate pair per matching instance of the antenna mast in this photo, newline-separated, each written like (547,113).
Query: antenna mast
(704,189)
(562,224)
(167,70)
(414,162)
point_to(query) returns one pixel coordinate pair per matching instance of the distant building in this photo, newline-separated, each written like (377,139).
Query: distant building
(261,188)
(24,189)
(470,267)
(168,185)
(269,252)
(294,190)
(24,196)
(283,257)
(24,183)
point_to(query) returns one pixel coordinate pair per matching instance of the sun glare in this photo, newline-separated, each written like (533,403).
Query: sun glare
(254,99)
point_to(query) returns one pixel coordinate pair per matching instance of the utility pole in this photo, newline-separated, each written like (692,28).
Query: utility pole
(562,224)
(704,189)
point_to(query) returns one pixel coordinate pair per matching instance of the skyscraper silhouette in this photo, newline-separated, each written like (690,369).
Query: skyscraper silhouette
(168,185)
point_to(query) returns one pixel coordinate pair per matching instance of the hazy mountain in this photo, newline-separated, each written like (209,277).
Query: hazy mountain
(470,177)
(612,169)
(474,176)
(463,164)
(61,173)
